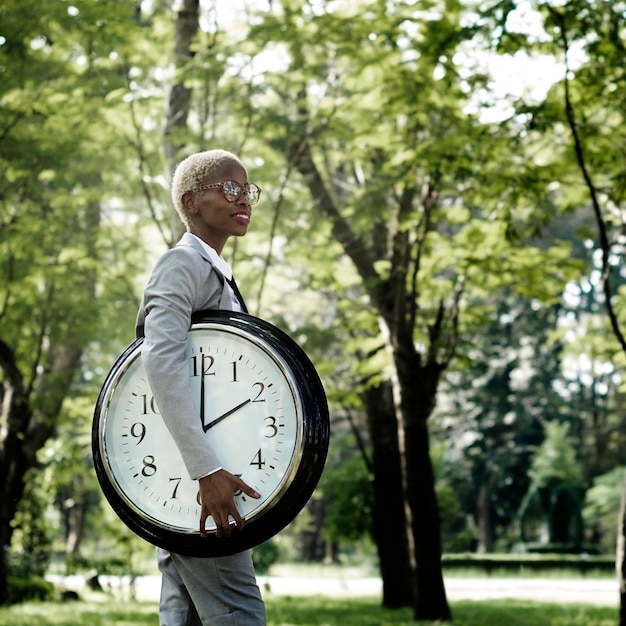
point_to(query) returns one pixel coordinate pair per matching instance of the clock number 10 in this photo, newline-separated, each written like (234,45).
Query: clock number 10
(149,405)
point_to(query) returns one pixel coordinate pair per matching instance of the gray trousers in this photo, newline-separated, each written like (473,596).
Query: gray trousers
(219,591)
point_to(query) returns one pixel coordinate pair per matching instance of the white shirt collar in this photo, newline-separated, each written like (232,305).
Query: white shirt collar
(216,259)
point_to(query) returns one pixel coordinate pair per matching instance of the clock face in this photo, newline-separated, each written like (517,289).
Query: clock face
(263,411)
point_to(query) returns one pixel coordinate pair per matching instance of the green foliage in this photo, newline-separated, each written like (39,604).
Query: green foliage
(602,505)
(554,461)
(318,611)
(346,488)
(384,96)
(29,588)
(32,535)
(264,556)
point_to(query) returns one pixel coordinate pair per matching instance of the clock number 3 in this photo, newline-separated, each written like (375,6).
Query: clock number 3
(271,427)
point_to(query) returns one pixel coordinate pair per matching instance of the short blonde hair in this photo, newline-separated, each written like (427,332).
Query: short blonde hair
(193,172)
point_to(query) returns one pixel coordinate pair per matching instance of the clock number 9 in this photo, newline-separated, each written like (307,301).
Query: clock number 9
(138,430)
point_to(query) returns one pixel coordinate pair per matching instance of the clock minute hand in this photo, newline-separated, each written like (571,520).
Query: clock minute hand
(217,420)
(202,403)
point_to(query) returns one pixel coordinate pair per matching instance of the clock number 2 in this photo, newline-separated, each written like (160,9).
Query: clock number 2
(260,397)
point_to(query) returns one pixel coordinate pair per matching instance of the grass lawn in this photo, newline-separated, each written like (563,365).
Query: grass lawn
(317,611)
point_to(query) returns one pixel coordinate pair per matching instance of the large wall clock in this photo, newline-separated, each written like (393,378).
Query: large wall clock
(262,407)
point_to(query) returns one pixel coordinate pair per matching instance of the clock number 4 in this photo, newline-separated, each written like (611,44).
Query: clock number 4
(257,460)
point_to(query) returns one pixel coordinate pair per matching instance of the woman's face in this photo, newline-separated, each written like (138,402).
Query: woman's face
(214,219)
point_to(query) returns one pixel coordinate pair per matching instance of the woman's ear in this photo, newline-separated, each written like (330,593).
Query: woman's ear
(189,202)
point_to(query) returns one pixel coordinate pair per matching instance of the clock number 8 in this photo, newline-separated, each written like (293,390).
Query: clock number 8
(149,468)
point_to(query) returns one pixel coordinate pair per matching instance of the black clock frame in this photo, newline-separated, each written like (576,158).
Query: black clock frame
(315,440)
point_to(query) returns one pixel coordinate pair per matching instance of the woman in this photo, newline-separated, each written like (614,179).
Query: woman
(214,200)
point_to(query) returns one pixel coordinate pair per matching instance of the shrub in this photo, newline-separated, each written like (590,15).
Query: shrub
(26,589)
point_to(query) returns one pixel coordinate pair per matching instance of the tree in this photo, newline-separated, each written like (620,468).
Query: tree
(389,158)
(57,69)
(589,108)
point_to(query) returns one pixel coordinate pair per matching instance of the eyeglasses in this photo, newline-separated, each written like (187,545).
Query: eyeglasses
(232,190)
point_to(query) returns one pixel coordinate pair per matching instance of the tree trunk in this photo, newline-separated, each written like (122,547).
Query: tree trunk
(388,515)
(179,100)
(415,391)
(621,558)
(483,520)
(76,528)
(16,415)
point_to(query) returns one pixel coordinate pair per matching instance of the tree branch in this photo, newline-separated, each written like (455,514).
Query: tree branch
(582,164)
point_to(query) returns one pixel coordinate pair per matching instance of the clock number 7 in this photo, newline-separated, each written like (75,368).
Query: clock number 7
(177,481)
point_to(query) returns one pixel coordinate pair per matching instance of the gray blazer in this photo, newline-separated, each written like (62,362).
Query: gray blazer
(183,281)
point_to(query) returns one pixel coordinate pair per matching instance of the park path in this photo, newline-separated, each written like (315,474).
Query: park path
(586,591)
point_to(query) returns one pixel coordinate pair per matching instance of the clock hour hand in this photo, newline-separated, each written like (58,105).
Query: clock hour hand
(217,420)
